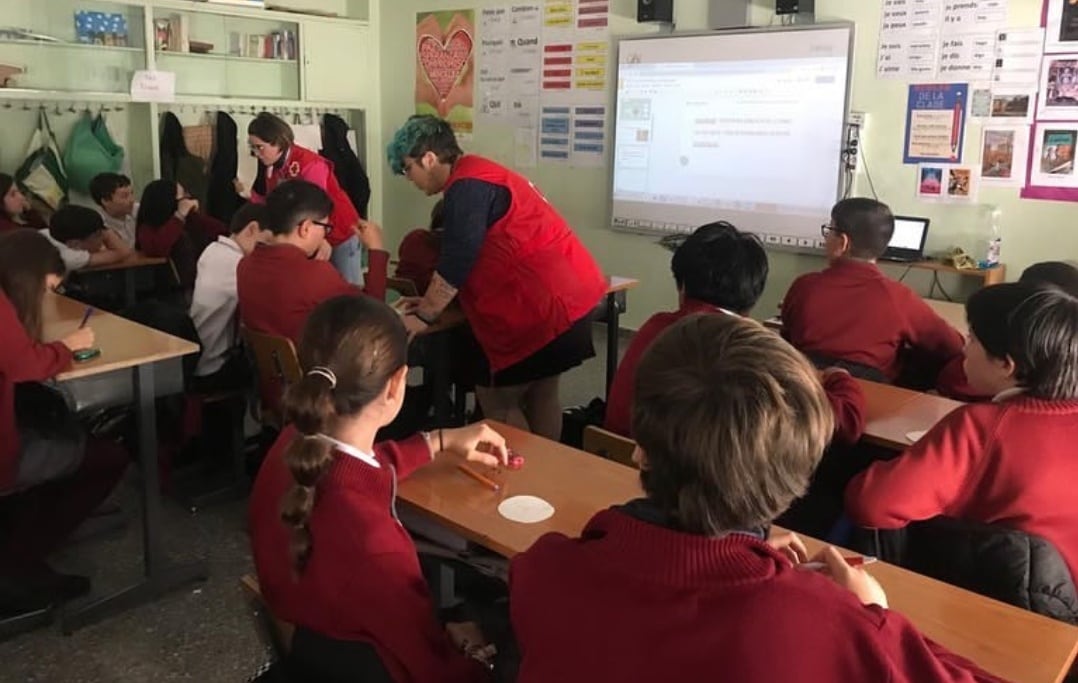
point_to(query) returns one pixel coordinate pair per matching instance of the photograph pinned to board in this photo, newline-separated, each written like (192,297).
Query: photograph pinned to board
(949,183)
(445,67)
(1053,155)
(935,123)
(1061,27)
(1004,152)
(980,101)
(1012,105)
(1059,88)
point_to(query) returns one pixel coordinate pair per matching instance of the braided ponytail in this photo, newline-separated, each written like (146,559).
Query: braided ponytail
(308,405)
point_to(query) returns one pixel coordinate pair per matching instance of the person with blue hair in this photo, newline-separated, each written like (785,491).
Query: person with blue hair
(526,283)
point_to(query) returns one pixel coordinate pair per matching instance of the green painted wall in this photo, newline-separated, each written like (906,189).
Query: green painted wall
(1032,230)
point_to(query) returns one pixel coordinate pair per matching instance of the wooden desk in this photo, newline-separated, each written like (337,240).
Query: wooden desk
(615,301)
(1018,645)
(892,412)
(129,266)
(128,346)
(989,276)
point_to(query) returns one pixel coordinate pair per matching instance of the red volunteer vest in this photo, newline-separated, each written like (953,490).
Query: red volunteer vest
(532,279)
(344,214)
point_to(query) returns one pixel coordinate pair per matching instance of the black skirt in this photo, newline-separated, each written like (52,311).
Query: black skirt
(564,352)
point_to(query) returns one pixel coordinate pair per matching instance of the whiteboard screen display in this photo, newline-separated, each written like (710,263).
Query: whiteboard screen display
(743,126)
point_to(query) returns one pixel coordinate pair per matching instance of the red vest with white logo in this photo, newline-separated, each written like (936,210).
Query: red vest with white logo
(532,279)
(344,215)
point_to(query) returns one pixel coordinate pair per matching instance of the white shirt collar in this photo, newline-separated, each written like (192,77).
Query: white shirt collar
(1008,394)
(349,449)
(230,243)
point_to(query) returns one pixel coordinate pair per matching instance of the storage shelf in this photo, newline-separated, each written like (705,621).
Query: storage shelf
(73,46)
(63,95)
(168,54)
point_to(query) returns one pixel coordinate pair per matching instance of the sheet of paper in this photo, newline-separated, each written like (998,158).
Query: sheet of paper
(909,39)
(1018,57)
(1053,155)
(153,86)
(948,183)
(1004,152)
(525,152)
(525,509)
(1058,100)
(935,122)
(967,56)
(509,63)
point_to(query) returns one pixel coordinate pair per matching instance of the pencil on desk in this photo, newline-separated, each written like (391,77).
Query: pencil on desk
(490,483)
(86,316)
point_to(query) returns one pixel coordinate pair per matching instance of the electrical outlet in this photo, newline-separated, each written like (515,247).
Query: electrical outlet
(855,132)
(857,118)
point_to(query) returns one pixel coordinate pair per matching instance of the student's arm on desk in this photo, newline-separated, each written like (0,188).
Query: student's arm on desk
(23,359)
(114,250)
(847,402)
(931,478)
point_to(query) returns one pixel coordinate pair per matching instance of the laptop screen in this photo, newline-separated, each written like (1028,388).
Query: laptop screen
(909,233)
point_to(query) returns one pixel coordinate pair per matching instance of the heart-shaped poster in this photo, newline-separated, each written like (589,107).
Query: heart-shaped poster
(444,62)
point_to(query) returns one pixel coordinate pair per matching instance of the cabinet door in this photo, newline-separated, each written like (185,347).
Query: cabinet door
(337,63)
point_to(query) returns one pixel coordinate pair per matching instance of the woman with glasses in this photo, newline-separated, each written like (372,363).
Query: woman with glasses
(281,159)
(170,225)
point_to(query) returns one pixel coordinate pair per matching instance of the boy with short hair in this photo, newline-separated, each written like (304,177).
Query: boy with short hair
(115,198)
(214,301)
(83,240)
(853,313)
(1062,274)
(1010,461)
(278,283)
(683,584)
(719,269)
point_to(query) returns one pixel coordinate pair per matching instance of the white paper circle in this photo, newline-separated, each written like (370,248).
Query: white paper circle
(913,437)
(525,509)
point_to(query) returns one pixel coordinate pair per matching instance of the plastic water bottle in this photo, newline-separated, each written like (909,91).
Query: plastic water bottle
(991,258)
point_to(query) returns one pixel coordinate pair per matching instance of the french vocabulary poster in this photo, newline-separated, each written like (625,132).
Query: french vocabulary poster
(935,123)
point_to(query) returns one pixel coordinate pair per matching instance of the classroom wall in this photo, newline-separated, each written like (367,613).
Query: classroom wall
(1032,230)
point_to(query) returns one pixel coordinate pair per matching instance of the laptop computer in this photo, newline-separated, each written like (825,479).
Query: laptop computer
(908,242)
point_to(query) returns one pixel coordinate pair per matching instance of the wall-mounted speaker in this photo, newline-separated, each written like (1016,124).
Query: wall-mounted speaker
(655,10)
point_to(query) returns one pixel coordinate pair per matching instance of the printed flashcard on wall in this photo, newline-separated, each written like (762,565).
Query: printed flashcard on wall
(557,67)
(590,65)
(1018,57)
(973,16)
(592,15)
(559,21)
(948,183)
(589,136)
(509,63)
(909,39)
(1058,99)
(935,123)
(969,55)
(1004,152)
(555,131)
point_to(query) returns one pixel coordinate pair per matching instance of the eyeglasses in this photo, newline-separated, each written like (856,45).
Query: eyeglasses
(327,226)
(827,230)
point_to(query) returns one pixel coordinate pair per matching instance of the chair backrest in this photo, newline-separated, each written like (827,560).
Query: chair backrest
(609,445)
(277,366)
(273,632)
(402,286)
(1005,564)
(858,370)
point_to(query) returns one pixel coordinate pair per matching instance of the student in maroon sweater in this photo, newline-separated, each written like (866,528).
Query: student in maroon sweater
(730,422)
(1009,462)
(719,269)
(331,554)
(279,283)
(420,250)
(854,313)
(170,225)
(47,487)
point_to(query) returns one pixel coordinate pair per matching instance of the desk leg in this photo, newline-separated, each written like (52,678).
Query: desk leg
(613,314)
(130,286)
(159,578)
(439,379)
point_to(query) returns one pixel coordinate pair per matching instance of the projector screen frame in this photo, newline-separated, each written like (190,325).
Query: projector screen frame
(817,243)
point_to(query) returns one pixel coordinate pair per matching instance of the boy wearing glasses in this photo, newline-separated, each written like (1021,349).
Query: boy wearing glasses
(851,312)
(280,283)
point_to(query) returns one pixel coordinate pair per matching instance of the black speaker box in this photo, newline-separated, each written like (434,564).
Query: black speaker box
(655,10)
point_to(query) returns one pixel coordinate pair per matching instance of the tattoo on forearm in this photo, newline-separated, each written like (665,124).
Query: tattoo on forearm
(438,296)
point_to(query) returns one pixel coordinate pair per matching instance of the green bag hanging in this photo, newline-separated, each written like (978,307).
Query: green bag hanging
(90,151)
(42,173)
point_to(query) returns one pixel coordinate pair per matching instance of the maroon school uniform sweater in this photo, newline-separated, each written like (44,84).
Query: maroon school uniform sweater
(362,581)
(851,311)
(21,360)
(1010,463)
(278,286)
(844,394)
(632,601)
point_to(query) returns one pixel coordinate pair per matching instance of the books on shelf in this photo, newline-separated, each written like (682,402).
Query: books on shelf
(275,45)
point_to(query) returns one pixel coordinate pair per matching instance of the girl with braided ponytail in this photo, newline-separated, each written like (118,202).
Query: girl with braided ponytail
(331,555)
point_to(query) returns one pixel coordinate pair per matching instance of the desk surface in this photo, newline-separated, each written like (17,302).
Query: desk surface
(951,311)
(1018,645)
(123,343)
(136,260)
(616,283)
(892,412)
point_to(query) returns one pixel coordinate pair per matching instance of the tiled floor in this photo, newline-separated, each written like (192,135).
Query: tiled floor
(202,633)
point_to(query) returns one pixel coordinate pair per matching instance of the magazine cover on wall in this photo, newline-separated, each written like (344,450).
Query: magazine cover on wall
(445,67)
(1060,20)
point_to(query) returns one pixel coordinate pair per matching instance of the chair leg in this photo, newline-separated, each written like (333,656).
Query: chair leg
(238,485)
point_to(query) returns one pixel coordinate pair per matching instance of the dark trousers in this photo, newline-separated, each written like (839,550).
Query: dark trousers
(35,521)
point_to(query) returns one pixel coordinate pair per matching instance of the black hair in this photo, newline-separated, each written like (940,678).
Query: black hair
(867,222)
(73,222)
(293,202)
(720,265)
(246,214)
(1037,328)
(1060,274)
(104,185)
(158,203)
